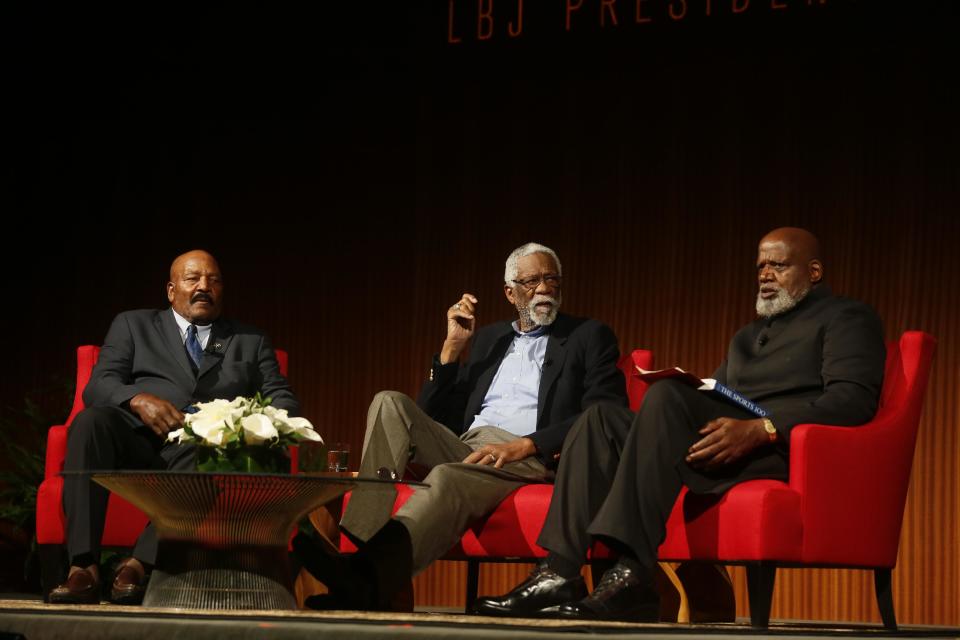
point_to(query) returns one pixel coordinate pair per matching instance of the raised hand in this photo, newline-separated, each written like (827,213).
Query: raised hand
(460,325)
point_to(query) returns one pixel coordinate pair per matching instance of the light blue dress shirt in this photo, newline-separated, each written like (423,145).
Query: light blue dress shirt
(511,400)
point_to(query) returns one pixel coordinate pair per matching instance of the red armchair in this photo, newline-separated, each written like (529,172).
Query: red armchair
(841,507)
(124,521)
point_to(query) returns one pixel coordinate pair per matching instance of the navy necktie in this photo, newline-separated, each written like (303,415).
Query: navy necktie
(193,345)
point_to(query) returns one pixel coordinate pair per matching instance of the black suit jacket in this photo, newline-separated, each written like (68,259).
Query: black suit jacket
(821,362)
(143,352)
(579,369)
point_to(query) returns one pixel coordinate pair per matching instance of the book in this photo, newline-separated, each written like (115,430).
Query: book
(707,385)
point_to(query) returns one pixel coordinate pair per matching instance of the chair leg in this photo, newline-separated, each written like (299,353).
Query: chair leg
(53,567)
(884,588)
(760,579)
(473,582)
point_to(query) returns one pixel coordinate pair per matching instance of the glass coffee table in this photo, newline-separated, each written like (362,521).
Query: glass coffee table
(223,537)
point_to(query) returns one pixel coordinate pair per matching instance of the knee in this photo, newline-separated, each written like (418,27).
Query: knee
(392,398)
(601,419)
(664,393)
(91,424)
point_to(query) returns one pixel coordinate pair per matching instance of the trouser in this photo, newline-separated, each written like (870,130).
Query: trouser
(400,433)
(620,473)
(108,438)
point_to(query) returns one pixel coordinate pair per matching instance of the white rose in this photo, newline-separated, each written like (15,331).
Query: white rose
(178,436)
(258,428)
(303,428)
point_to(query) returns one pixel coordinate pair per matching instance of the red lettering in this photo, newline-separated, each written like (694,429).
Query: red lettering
(678,15)
(778,4)
(639,17)
(519,29)
(571,7)
(740,8)
(484,19)
(605,6)
(451,39)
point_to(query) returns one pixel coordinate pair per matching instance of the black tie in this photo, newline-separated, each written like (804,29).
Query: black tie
(193,345)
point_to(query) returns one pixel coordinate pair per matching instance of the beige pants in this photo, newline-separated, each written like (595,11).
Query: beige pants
(400,433)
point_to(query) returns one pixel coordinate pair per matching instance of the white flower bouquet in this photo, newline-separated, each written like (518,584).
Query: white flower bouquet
(243,434)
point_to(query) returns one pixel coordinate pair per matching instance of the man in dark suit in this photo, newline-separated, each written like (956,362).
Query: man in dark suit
(811,357)
(152,367)
(480,430)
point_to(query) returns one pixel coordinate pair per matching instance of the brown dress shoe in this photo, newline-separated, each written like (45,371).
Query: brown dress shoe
(127,587)
(80,588)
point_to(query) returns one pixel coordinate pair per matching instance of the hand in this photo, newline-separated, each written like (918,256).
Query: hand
(726,440)
(157,413)
(460,325)
(500,454)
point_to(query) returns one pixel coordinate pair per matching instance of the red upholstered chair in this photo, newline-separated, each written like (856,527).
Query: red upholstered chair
(841,507)
(124,521)
(509,534)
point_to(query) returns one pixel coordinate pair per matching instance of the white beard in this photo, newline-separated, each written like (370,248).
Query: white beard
(536,317)
(781,303)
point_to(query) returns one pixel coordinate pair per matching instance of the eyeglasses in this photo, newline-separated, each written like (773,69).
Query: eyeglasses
(533,282)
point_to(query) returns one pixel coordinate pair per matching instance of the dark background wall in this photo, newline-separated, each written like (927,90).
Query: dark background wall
(355,172)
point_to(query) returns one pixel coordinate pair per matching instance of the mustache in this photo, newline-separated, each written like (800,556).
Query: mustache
(201,296)
(542,298)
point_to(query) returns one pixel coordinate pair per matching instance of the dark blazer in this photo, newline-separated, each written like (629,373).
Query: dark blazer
(821,362)
(579,369)
(143,352)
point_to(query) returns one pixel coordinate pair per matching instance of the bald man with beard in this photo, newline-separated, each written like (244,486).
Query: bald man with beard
(154,364)
(810,357)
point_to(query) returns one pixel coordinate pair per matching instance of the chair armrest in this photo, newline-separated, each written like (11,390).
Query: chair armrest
(852,483)
(56,451)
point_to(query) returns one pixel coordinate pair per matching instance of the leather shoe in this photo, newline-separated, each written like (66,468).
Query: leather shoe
(350,583)
(127,587)
(80,588)
(623,594)
(542,589)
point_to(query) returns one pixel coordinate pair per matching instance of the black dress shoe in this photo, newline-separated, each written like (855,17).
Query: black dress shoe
(543,588)
(127,587)
(352,584)
(80,588)
(623,594)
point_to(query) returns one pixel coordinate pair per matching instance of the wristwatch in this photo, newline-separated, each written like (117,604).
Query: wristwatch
(770,429)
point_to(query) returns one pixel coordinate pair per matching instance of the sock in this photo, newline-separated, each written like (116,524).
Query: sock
(566,568)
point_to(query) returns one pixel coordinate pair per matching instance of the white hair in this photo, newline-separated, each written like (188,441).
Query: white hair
(511,270)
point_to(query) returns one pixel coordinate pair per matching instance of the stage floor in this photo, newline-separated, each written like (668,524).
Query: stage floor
(35,621)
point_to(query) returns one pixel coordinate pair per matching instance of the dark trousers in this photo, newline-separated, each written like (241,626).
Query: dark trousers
(107,438)
(620,473)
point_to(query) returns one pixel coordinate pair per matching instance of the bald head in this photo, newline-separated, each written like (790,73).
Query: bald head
(788,266)
(195,289)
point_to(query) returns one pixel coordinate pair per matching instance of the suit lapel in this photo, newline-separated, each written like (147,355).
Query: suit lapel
(552,365)
(170,333)
(220,336)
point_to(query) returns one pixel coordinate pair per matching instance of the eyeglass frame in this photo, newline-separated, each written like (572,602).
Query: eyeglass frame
(531,283)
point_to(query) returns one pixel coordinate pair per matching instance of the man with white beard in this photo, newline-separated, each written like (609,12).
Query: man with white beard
(480,430)
(811,358)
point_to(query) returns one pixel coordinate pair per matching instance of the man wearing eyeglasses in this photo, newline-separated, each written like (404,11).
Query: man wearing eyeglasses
(479,430)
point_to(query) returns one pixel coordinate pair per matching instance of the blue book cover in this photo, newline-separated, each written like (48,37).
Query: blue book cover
(712,386)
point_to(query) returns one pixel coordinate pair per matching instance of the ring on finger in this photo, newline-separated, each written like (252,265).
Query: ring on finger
(457,306)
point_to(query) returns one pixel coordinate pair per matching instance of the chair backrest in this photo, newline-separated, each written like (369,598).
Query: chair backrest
(636,387)
(87,357)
